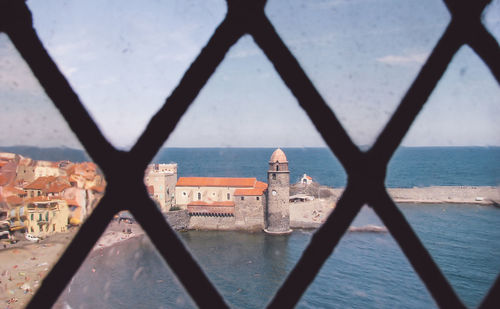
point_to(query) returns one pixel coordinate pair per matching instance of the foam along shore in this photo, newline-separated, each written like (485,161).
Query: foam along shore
(483,195)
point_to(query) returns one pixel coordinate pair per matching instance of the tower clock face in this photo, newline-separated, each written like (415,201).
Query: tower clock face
(274,192)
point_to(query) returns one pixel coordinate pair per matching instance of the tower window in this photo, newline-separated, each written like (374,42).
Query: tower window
(228,196)
(199,196)
(274,176)
(277,167)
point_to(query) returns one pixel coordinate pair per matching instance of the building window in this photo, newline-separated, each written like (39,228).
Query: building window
(199,196)
(277,167)
(228,196)
(184,193)
(257,198)
(274,176)
(242,198)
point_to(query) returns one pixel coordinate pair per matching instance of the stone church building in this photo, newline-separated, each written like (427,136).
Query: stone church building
(226,203)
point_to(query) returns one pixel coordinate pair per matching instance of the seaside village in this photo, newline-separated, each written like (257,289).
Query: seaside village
(40,198)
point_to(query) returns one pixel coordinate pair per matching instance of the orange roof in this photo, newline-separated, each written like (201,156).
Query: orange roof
(58,187)
(256,191)
(14,200)
(72,202)
(261,185)
(14,190)
(201,203)
(2,163)
(40,183)
(309,177)
(38,199)
(98,188)
(3,180)
(215,182)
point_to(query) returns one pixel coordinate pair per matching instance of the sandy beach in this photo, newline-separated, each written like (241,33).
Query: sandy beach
(24,265)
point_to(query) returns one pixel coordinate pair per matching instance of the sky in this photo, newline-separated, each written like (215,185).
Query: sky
(124,58)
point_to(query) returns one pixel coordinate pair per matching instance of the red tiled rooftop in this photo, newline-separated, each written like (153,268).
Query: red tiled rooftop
(99,189)
(58,187)
(261,185)
(215,182)
(73,202)
(14,200)
(14,190)
(3,180)
(202,203)
(38,199)
(309,177)
(249,192)
(40,183)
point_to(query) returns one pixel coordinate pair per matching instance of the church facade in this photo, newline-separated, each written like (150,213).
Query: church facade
(225,203)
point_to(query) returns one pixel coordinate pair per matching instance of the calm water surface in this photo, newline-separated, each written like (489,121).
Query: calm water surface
(367,270)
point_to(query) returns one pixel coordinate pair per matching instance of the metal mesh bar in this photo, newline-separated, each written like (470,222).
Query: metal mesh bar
(366,171)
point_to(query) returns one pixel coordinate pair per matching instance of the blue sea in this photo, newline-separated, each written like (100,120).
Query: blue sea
(409,167)
(366,270)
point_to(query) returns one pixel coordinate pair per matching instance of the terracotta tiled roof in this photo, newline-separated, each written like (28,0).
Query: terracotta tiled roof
(99,189)
(261,185)
(309,177)
(14,190)
(58,187)
(2,163)
(14,200)
(40,183)
(215,182)
(38,199)
(201,203)
(3,180)
(73,202)
(247,192)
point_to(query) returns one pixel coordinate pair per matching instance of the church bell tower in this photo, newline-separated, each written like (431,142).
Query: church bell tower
(278,193)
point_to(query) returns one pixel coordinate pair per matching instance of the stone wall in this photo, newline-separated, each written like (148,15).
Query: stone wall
(249,212)
(178,220)
(278,193)
(440,194)
(310,214)
(211,223)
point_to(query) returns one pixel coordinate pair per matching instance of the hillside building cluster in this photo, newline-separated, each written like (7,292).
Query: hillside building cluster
(44,197)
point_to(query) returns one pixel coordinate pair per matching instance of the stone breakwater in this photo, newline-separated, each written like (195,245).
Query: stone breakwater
(441,194)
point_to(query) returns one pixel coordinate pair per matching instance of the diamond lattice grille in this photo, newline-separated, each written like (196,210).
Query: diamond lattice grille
(366,169)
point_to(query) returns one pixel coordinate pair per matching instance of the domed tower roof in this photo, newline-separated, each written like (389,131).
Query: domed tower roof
(278,156)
